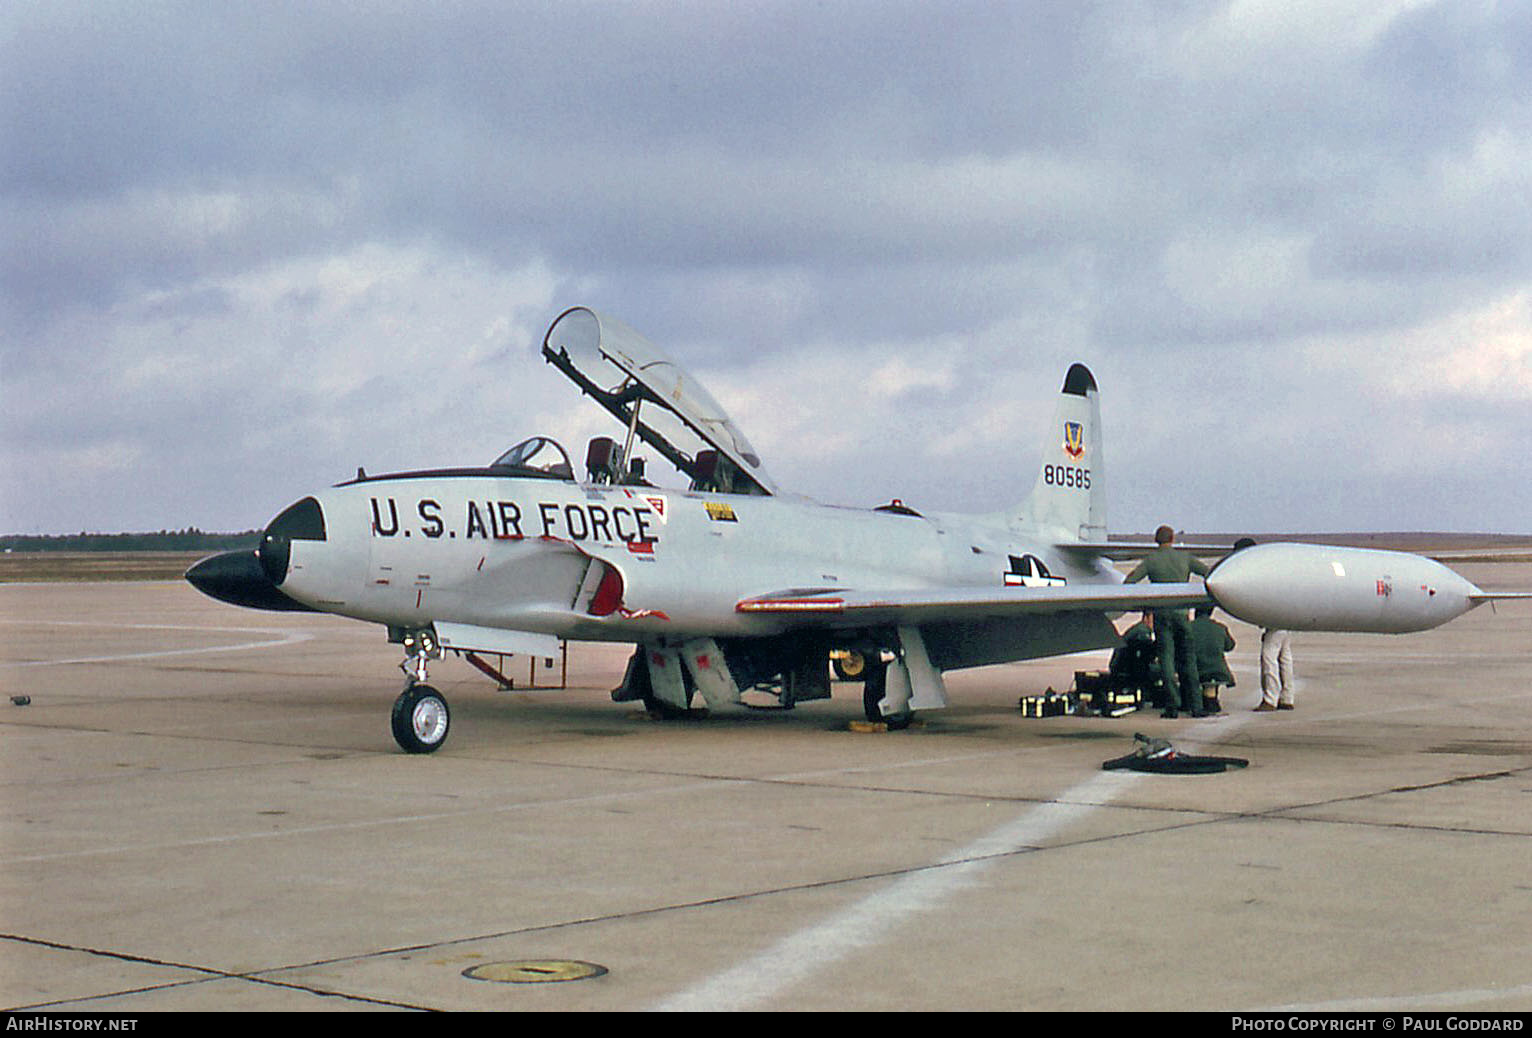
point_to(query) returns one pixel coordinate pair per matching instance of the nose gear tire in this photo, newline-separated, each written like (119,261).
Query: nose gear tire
(421,719)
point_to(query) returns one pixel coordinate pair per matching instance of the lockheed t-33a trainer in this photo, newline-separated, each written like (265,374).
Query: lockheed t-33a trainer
(729,584)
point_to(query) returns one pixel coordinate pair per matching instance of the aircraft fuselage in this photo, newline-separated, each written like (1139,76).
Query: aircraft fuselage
(533,554)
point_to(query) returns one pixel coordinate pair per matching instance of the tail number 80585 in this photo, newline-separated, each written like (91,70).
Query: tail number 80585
(1066,476)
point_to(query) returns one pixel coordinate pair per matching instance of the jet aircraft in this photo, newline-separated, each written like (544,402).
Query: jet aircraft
(730,584)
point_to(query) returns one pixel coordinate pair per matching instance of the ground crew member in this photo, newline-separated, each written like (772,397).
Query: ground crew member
(1135,663)
(1166,565)
(1276,670)
(1210,640)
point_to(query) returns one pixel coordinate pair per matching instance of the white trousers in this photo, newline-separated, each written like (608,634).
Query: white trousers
(1276,668)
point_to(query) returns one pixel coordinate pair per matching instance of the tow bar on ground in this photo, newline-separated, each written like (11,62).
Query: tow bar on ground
(1159,757)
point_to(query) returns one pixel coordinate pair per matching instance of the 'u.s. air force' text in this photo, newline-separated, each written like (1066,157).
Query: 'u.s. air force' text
(506,521)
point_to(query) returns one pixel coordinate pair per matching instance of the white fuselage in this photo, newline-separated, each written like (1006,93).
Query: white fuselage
(518,552)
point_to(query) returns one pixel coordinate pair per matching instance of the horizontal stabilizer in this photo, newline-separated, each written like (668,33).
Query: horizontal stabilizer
(1125,550)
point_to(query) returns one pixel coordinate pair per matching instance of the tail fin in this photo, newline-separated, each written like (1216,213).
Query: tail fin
(1069,496)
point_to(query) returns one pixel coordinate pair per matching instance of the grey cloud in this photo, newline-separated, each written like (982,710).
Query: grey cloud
(1008,186)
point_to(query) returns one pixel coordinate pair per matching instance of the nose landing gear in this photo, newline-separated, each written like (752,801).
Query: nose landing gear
(421,719)
(421,716)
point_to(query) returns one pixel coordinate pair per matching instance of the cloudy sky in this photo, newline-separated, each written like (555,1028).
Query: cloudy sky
(245,248)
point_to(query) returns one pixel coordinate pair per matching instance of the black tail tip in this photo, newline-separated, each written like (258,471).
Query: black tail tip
(1079,381)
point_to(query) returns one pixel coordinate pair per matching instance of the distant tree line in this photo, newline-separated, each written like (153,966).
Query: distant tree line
(189,539)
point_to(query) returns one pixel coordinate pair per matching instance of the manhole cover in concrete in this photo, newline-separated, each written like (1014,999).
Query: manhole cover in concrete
(534,971)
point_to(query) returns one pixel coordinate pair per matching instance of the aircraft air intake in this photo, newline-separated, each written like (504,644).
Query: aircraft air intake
(303,521)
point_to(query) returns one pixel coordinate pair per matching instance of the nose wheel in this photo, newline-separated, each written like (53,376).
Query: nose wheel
(421,719)
(421,716)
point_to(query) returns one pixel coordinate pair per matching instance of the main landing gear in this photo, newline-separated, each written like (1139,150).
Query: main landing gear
(874,675)
(421,716)
(851,664)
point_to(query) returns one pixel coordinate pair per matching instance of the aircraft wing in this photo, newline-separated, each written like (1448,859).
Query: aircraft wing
(839,607)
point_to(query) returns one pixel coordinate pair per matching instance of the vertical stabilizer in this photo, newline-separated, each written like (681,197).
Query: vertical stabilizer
(1069,496)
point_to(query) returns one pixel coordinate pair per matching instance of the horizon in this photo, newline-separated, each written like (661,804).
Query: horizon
(1119,536)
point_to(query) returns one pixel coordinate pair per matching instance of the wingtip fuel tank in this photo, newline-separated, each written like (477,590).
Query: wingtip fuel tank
(1316,587)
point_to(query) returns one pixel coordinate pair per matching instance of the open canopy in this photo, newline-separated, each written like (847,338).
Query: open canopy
(656,399)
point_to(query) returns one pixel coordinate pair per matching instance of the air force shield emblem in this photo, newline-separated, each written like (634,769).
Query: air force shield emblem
(1074,440)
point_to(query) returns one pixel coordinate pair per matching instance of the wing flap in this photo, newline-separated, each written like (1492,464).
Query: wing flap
(837,606)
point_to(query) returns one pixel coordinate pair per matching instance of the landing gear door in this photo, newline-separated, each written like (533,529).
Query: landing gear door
(705,661)
(927,689)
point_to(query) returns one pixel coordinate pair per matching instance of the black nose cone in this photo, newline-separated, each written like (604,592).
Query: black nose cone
(237,577)
(254,578)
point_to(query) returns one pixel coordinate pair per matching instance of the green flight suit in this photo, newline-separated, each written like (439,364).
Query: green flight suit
(1211,640)
(1166,565)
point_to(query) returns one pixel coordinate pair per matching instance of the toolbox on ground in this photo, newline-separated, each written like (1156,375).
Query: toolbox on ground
(1049,704)
(1095,687)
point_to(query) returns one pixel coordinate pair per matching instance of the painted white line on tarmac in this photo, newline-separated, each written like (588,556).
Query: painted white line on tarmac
(278,637)
(873,919)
